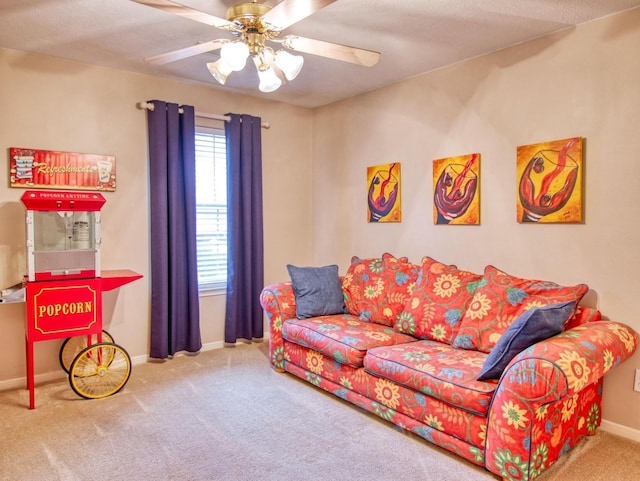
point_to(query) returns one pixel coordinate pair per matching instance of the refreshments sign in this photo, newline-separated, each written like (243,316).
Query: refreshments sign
(47,169)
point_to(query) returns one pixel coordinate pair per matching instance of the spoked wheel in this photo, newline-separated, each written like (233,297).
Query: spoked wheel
(73,345)
(100,370)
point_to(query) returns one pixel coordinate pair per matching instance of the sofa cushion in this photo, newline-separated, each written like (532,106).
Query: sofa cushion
(533,326)
(377,289)
(500,299)
(437,370)
(341,337)
(317,290)
(439,300)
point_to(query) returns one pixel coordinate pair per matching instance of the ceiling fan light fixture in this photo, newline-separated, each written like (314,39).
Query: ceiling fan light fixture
(253,24)
(269,80)
(235,55)
(291,65)
(220,70)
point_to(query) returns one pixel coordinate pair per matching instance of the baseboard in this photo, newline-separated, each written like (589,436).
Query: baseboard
(21,382)
(210,346)
(620,430)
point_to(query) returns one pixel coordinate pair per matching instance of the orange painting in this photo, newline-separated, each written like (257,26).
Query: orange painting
(456,192)
(549,182)
(383,193)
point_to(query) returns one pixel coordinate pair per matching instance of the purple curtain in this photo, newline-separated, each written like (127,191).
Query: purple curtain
(245,266)
(175,318)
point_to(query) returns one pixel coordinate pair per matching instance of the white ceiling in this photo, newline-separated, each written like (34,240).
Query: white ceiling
(413,36)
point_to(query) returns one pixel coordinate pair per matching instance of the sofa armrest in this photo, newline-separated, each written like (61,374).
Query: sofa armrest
(549,397)
(279,304)
(574,359)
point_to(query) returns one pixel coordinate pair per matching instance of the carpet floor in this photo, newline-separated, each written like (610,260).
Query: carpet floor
(225,415)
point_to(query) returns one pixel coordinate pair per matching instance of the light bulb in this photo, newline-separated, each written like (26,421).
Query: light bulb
(220,70)
(235,55)
(269,81)
(289,64)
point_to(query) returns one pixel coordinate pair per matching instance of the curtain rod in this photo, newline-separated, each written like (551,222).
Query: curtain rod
(204,115)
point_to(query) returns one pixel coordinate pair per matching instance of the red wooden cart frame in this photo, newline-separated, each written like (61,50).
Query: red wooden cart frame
(67,308)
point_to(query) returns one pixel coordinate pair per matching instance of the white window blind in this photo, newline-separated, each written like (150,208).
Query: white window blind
(211,208)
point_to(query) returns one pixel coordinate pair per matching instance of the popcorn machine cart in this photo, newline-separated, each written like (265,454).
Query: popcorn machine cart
(63,291)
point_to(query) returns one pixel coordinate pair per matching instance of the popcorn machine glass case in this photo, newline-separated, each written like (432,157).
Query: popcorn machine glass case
(63,235)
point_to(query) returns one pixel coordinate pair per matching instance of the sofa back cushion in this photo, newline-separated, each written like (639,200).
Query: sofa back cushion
(439,300)
(500,299)
(377,289)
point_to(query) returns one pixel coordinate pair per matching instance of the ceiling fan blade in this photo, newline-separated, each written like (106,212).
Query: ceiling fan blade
(185,52)
(288,12)
(187,12)
(335,51)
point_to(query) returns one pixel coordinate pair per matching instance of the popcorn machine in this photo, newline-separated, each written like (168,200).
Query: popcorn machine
(63,235)
(63,291)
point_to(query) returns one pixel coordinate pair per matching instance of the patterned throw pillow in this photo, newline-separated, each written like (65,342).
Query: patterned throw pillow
(582,316)
(377,289)
(430,261)
(500,299)
(439,300)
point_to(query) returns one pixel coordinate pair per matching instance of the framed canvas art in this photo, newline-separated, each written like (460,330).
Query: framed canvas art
(549,182)
(383,193)
(456,192)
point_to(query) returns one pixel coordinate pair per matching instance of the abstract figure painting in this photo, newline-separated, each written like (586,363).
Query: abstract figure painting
(549,188)
(456,194)
(383,193)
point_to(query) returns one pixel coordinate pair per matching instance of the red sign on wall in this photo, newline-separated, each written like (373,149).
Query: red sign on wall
(47,169)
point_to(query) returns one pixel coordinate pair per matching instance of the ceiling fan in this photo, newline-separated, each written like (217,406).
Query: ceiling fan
(254,24)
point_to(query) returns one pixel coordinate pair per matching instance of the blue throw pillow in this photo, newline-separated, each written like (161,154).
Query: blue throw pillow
(317,290)
(532,326)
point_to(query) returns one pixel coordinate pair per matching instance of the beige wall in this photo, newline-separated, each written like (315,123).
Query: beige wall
(52,104)
(580,82)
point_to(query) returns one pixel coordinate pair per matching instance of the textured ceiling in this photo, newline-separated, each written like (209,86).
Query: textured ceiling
(413,36)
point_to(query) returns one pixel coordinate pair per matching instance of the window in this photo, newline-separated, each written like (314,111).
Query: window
(211,208)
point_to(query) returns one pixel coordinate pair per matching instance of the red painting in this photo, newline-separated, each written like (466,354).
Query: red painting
(456,194)
(383,193)
(550,182)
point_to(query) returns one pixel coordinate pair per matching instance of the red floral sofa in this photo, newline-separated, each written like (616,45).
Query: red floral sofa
(409,343)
